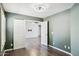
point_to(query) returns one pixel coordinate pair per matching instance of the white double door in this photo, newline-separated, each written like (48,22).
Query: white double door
(21,33)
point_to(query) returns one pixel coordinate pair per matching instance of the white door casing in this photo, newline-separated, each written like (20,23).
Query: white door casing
(3,29)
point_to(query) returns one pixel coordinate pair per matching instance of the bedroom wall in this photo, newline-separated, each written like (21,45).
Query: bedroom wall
(59,30)
(65,28)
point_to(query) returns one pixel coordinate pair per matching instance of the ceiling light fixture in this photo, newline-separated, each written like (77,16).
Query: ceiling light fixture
(40,7)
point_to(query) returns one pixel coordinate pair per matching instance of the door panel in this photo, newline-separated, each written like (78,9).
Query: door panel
(19,36)
(44,33)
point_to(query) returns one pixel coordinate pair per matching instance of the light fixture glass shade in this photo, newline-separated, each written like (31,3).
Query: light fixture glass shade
(40,7)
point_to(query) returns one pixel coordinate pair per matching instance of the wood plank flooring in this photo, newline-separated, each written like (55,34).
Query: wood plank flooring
(42,51)
(33,47)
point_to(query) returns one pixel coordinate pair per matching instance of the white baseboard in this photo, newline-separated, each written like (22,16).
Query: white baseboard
(3,53)
(44,44)
(60,50)
(8,50)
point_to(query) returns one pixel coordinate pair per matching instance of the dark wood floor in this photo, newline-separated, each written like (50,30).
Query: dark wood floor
(42,51)
(35,48)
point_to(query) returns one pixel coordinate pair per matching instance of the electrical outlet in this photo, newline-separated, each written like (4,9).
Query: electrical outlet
(11,44)
(65,46)
(53,43)
(68,47)
(52,33)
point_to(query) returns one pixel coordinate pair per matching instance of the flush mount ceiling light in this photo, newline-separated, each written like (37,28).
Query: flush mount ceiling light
(40,7)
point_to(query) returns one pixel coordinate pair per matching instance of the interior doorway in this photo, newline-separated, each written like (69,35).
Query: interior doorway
(32,34)
(29,34)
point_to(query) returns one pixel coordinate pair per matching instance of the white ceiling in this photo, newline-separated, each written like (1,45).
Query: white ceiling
(27,8)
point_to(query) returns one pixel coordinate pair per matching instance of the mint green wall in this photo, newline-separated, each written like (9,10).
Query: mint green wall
(75,30)
(61,31)
(10,17)
(59,24)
